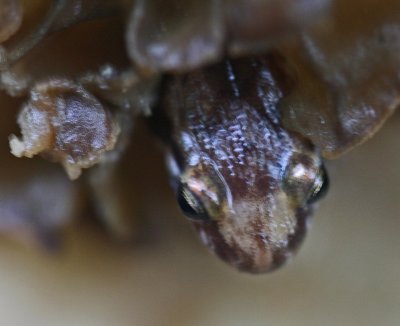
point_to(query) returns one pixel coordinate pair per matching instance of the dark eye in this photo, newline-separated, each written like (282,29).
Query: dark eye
(191,205)
(321,186)
(305,179)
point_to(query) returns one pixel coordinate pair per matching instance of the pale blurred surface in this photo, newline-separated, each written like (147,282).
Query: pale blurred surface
(347,273)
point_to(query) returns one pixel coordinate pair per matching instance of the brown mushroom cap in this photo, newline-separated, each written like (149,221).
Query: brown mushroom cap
(346,75)
(342,57)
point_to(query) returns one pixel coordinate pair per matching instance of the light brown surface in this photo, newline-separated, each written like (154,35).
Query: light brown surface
(347,273)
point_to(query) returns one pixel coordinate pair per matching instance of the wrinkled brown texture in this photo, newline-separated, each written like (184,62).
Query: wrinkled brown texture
(99,63)
(346,73)
(341,69)
(28,186)
(239,162)
(66,124)
(342,57)
(181,35)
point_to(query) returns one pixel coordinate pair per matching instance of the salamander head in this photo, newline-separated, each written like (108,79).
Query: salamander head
(246,182)
(252,217)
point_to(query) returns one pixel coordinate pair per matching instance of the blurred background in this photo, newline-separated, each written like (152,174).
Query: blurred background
(55,270)
(347,273)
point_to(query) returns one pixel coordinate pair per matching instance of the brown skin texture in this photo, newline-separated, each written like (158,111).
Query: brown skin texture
(236,165)
(342,58)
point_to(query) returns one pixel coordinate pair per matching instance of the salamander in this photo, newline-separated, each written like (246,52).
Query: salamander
(246,183)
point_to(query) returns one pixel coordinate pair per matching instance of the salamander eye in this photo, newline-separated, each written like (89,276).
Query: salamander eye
(191,205)
(305,179)
(321,186)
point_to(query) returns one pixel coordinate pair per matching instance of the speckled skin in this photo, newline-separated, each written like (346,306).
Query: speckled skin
(251,176)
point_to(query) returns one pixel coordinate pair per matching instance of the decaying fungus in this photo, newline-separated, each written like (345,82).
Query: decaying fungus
(66,124)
